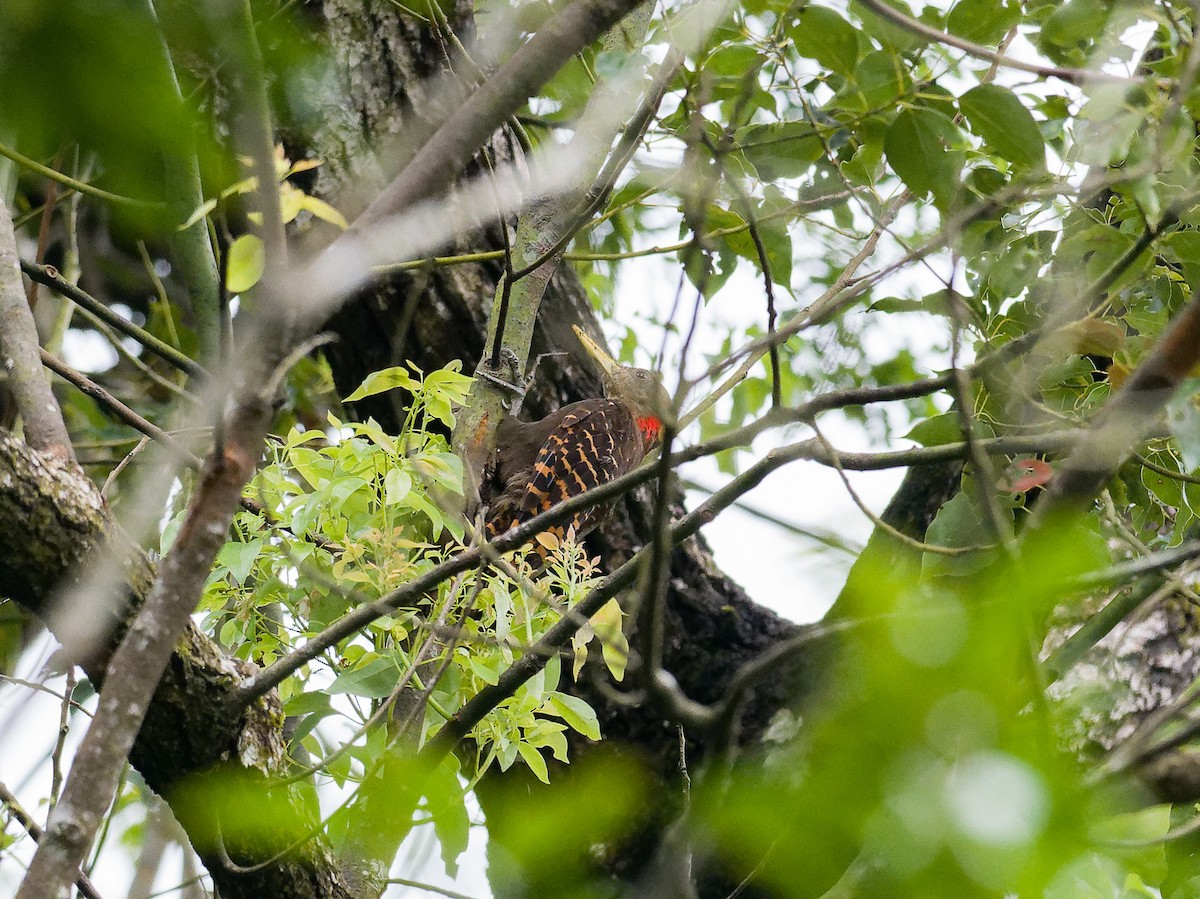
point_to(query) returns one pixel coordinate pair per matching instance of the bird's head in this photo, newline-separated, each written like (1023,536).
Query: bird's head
(638,388)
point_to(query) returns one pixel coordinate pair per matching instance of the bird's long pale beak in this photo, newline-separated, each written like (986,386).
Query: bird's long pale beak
(597,352)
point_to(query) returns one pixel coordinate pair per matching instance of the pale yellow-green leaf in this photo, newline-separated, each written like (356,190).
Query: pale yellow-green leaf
(201,211)
(247,260)
(556,742)
(291,201)
(579,644)
(302,165)
(323,211)
(607,624)
(383,380)
(396,485)
(534,760)
(578,714)
(245,186)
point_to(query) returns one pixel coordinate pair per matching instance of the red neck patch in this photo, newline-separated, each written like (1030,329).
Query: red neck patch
(651,428)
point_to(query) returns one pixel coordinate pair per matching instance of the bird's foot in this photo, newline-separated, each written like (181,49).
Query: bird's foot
(509,358)
(512,366)
(516,389)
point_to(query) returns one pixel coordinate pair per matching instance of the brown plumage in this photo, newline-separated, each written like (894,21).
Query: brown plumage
(581,446)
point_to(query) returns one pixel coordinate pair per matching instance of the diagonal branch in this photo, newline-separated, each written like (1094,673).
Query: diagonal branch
(1126,419)
(452,146)
(7,800)
(908,23)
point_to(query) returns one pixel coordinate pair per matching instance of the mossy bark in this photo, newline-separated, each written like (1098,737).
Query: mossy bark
(188,735)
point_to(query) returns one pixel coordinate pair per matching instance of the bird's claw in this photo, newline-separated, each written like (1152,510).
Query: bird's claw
(516,389)
(509,361)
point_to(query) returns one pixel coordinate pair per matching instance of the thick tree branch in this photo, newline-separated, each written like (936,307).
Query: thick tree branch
(136,668)
(19,344)
(63,526)
(452,146)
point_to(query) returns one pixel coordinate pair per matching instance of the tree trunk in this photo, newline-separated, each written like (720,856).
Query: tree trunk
(433,317)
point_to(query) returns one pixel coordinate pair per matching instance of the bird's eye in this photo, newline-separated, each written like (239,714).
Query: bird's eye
(643,375)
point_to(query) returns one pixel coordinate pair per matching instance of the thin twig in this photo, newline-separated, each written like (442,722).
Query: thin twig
(123,464)
(601,189)
(119,409)
(895,533)
(428,887)
(8,800)
(1072,76)
(764,264)
(506,278)
(49,276)
(60,742)
(81,186)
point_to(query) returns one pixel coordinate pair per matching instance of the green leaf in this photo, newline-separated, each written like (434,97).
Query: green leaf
(307,703)
(916,147)
(239,558)
(322,210)
(578,714)
(882,78)
(485,669)
(823,35)
(534,760)
(396,486)
(615,647)
(448,806)
(1183,246)
(503,606)
(199,214)
(938,430)
(1075,23)
(382,381)
(780,149)
(997,116)
(983,21)
(444,469)
(375,679)
(554,740)
(247,259)
(418,501)
(1183,418)
(957,525)
(312,709)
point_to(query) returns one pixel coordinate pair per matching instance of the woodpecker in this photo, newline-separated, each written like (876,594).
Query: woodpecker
(539,464)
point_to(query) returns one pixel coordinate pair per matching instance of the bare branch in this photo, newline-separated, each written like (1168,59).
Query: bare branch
(1072,76)
(8,800)
(451,147)
(119,409)
(44,425)
(49,276)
